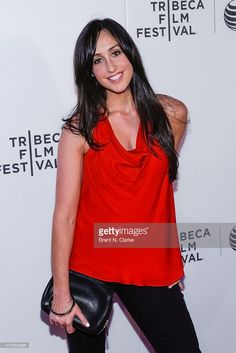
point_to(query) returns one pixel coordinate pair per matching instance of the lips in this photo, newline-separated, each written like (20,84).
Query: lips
(116,77)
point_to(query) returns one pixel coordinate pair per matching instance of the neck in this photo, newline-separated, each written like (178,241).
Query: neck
(121,102)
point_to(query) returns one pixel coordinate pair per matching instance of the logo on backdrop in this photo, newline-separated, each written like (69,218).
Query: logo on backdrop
(232,238)
(230,15)
(172,18)
(195,238)
(189,242)
(32,153)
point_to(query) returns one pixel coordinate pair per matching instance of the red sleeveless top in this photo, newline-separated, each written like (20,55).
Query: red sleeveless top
(124,186)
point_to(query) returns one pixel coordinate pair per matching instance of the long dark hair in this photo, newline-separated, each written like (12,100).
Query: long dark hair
(91,104)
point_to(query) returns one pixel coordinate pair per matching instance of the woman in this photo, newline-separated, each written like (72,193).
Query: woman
(117,160)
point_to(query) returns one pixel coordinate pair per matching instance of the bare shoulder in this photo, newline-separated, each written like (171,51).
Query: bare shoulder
(69,174)
(177,114)
(175,110)
(72,142)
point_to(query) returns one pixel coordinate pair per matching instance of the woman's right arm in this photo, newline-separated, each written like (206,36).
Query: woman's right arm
(69,177)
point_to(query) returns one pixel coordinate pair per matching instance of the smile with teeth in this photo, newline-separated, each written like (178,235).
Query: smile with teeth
(115,77)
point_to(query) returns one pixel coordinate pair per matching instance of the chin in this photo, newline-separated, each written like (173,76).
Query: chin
(122,88)
(117,90)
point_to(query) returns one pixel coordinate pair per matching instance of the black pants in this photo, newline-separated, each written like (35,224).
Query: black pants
(160,313)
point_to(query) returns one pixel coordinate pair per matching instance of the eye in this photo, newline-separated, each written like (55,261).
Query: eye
(116,52)
(97,61)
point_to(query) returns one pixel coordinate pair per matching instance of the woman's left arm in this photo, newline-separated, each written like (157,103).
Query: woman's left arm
(177,114)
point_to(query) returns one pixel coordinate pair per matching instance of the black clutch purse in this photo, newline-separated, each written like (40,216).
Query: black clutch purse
(94,298)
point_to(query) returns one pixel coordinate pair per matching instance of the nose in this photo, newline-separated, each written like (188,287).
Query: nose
(110,66)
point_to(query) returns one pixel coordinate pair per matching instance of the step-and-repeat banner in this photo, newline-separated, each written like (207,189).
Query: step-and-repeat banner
(189,51)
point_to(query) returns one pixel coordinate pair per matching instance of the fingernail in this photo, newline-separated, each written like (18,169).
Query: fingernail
(87,324)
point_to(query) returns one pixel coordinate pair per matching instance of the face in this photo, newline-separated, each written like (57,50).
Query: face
(111,67)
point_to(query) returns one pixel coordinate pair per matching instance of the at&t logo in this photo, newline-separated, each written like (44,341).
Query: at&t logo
(232,238)
(230,15)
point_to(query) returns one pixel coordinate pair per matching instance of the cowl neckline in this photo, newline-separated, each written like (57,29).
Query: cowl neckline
(138,155)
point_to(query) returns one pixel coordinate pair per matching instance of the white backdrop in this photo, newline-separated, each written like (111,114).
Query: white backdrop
(189,53)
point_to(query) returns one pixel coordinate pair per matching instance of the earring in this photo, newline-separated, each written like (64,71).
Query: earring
(92,74)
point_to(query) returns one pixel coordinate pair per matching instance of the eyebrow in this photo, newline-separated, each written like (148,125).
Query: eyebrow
(116,45)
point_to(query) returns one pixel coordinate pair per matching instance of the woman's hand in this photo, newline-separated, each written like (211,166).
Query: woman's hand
(66,321)
(181,286)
